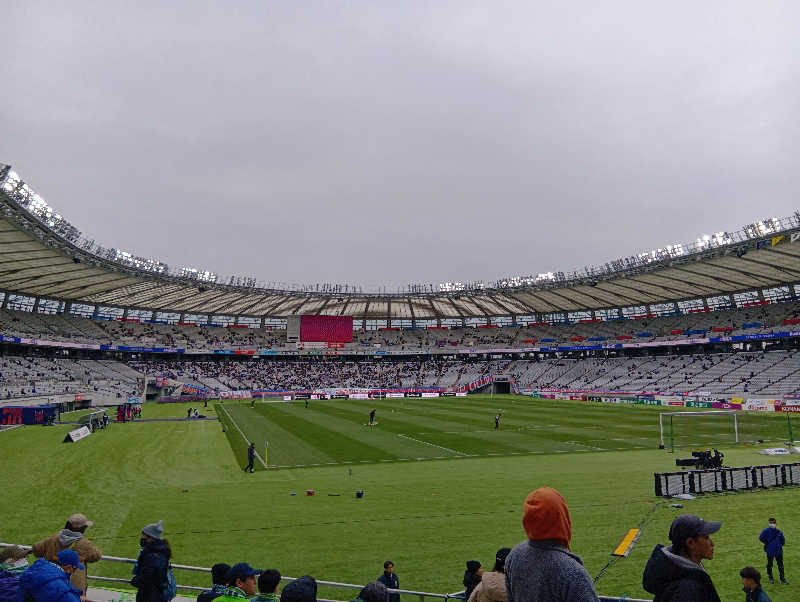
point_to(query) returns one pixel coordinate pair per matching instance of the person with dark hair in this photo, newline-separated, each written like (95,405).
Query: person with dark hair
(492,587)
(676,573)
(542,567)
(372,416)
(472,577)
(751,580)
(251,457)
(242,583)
(219,579)
(45,581)
(374,591)
(268,582)
(303,589)
(390,580)
(497,418)
(773,541)
(152,566)
(71,537)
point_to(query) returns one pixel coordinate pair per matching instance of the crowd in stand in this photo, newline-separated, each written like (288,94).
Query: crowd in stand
(750,320)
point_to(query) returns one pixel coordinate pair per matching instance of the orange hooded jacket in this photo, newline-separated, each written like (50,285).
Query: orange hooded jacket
(546,516)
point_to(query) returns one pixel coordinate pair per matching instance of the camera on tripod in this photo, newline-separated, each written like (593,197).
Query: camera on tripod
(702,459)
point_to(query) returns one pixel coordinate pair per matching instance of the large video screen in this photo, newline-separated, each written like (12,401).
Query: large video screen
(326,329)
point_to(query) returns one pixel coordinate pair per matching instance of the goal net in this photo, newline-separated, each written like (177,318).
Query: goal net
(721,428)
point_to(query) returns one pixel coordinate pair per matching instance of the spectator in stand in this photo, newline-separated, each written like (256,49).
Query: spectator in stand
(219,580)
(676,573)
(71,536)
(303,589)
(268,582)
(543,568)
(374,591)
(751,580)
(472,577)
(492,587)
(45,581)
(150,572)
(390,580)
(242,583)
(773,541)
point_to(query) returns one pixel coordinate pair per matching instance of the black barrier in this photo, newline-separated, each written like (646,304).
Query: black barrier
(11,415)
(717,480)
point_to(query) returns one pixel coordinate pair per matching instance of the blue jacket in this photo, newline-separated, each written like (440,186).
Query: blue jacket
(151,572)
(46,582)
(773,541)
(757,595)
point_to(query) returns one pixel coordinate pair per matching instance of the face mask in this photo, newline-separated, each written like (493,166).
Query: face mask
(772,526)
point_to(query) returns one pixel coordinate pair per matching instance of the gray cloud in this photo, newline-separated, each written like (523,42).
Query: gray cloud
(388,143)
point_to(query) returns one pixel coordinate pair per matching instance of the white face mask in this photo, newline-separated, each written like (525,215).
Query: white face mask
(773,526)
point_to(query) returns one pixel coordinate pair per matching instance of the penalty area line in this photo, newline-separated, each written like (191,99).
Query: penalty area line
(447,449)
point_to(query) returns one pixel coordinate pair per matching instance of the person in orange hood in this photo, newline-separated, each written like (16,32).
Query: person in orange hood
(543,568)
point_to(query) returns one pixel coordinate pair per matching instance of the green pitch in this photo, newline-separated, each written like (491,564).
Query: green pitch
(450,489)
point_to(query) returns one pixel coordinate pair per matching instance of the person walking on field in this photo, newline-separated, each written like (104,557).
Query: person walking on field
(773,541)
(497,418)
(372,417)
(251,457)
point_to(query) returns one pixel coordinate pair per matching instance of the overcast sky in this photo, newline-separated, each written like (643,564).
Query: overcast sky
(386,143)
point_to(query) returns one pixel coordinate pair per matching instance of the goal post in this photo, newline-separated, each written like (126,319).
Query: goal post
(684,429)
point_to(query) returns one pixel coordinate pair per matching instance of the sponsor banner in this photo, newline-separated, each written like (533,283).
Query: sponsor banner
(287,398)
(395,395)
(11,415)
(723,405)
(785,408)
(430,395)
(359,395)
(448,394)
(235,394)
(78,434)
(699,404)
(675,403)
(460,394)
(79,397)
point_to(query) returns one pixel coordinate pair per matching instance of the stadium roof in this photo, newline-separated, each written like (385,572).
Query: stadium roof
(42,255)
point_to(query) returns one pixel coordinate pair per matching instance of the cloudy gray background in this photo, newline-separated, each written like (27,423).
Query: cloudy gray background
(398,142)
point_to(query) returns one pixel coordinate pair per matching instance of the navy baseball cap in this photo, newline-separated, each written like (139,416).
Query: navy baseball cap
(70,558)
(241,570)
(691,525)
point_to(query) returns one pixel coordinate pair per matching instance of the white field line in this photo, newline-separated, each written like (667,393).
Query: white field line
(447,449)
(246,440)
(10,427)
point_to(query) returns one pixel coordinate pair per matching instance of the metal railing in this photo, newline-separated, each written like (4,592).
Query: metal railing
(334,584)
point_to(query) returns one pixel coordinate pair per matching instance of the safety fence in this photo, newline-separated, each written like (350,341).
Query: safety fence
(355,588)
(717,480)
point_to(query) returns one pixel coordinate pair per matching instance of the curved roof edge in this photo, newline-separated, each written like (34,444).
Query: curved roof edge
(42,255)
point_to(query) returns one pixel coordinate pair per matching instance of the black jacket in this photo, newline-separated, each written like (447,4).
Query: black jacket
(672,578)
(391,581)
(151,572)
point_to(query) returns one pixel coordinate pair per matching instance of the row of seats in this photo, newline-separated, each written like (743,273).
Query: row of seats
(752,320)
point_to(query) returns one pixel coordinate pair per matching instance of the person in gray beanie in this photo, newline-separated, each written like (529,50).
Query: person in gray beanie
(150,572)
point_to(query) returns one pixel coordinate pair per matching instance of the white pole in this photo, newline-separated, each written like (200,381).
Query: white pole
(736,426)
(661,427)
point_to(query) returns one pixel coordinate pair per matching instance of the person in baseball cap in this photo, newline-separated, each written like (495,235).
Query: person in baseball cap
(72,536)
(69,561)
(242,582)
(676,572)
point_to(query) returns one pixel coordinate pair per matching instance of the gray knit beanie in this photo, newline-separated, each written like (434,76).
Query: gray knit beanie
(156,530)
